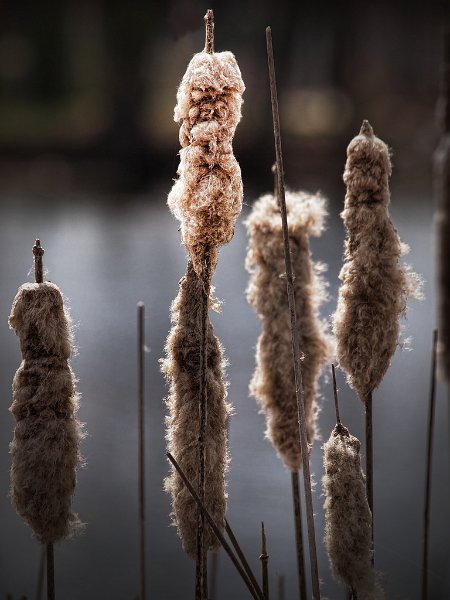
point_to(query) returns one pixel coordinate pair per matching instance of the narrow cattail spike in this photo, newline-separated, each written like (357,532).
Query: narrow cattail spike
(366,129)
(429,464)
(207,197)
(375,286)
(264,558)
(209,31)
(347,516)
(182,369)
(293,321)
(336,402)
(38,253)
(45,448)
(214,526)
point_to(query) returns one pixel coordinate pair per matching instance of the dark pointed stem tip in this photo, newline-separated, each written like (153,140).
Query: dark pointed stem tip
(38,250)
(209,31)
(366,129)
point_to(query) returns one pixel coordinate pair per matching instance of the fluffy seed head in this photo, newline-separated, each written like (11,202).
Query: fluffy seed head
(273,382)
(375,285)
(45,448)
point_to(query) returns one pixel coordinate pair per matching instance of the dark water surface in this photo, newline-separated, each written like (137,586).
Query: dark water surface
(107,259)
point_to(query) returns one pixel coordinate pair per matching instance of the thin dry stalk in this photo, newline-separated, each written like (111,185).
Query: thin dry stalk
(41,578)
(281,586)
(241,556)
(296,498)
(430,433)
(212,573)
(264,558)
(141,425)
(50,573)
(255,593)
(294,331)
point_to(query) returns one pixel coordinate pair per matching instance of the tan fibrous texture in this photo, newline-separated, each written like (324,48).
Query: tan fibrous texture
(273,382)
(45,447)
(375,285)
(207,197)
(348,520)
(442,170)
(182,369)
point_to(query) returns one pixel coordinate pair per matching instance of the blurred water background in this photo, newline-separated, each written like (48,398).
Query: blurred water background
(88,151)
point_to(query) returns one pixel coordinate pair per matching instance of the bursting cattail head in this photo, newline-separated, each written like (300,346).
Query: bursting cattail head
(348,520)
(207,197)
(375,285)
(273,380)
(182,369)
(45,448)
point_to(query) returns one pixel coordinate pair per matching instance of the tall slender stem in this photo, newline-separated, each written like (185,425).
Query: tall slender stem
(255,593)
(141,425)
(38,253)
(264,558)
(369,463)
(301,571)
(212,585)
(50,573)
(336,402)
(430,432)
(201,575)
(294,329)
(242,557)
(40,580)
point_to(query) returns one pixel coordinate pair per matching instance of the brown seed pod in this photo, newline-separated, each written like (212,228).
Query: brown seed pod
(273,380)
(207,197)
(45,448)
(375,285)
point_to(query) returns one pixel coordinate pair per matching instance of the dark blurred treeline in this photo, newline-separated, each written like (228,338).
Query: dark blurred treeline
(87,87)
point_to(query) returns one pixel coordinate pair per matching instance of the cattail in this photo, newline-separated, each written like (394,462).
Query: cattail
(207,197)
(45,448)
(182,369)
(348,520)
(273,380)
(375,286)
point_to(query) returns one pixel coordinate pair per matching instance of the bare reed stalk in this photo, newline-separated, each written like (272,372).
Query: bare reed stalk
(40,580)
(45,447)
(241,556)
(212,573)
(429,464)
(442,190)
(375,286)
(348,523)
(141,425)
(264,558)
(294,330)
(281,586)
(255,592)
(296,499)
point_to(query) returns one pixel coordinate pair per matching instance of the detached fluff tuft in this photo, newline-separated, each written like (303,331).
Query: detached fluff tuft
(207,197)
(45,448)
(348,520)
(273,380)
(375,286)
(182,369)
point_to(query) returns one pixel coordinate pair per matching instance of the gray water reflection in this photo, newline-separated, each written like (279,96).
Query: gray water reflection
(105,260)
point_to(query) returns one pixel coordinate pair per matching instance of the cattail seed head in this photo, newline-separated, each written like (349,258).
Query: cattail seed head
(45,448)
(348,520)
(375,285)
(207,197)
(273,381)
(182,369)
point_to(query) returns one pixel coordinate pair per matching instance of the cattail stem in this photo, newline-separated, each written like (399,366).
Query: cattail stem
(38,253)
(41,579)
(281,594)
(50,573)
(264,558)
(141,425)
(369,463)
(430,432)
(209,31)
(242,557)
(212,572)
(257,594)
(294,330)
(336,402)
(301,571)
(201,572)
